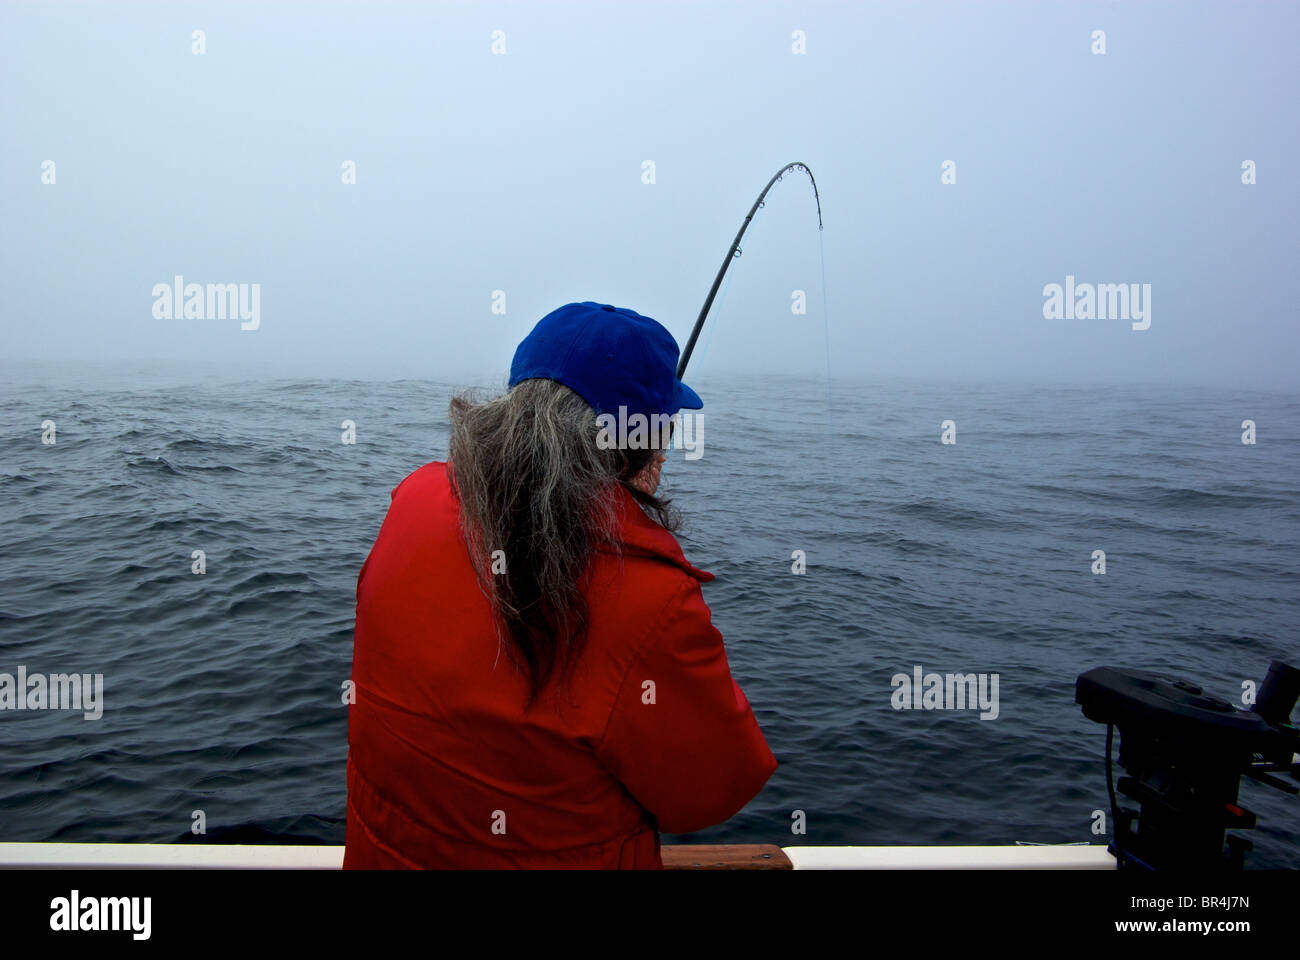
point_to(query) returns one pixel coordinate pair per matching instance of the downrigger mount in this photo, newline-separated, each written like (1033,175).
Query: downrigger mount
(1185,753)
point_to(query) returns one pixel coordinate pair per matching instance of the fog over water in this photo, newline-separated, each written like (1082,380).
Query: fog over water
(524,172)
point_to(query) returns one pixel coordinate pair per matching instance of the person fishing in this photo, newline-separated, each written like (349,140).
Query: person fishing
(537,679)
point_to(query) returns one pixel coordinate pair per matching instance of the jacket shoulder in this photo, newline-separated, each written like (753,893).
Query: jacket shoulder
(642,536)
(429,478)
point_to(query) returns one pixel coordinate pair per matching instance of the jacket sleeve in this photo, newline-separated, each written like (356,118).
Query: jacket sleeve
(681,737)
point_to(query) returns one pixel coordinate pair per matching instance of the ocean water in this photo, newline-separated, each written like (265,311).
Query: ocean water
(222,692)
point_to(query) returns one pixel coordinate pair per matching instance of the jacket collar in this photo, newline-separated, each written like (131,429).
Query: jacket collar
(644,536)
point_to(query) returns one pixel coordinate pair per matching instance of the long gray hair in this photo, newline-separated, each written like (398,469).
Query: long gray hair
(534,484)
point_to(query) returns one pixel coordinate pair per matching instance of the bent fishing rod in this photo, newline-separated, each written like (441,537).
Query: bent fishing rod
(734,252)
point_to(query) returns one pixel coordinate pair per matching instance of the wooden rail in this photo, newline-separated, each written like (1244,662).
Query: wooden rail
(724,856)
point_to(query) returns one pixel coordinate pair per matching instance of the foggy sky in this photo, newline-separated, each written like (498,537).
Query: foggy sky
(522,172)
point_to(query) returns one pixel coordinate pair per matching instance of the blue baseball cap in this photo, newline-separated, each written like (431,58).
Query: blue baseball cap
(610,356)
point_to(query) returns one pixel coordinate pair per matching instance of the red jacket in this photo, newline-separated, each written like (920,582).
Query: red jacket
(445,769)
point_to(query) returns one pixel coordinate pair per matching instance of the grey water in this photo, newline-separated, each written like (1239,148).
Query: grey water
(222,690)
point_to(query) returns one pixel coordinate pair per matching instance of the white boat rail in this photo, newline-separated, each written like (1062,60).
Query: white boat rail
(199,856)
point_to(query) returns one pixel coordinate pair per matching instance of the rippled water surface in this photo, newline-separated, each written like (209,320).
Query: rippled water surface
(222,691)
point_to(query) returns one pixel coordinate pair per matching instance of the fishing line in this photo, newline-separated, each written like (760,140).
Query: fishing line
(734,252)
(826,324)
(826,321)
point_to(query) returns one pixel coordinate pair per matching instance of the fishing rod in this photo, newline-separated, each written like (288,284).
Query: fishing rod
(735,252)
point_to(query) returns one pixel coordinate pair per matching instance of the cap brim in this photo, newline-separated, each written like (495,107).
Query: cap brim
(687,399)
